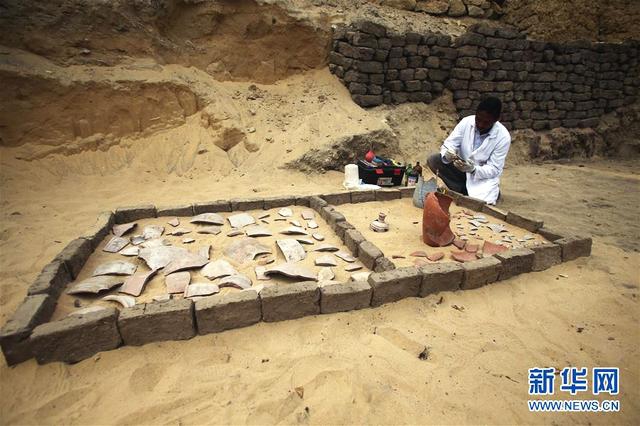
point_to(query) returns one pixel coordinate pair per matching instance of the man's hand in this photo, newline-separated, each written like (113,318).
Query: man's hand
(450,156)
(464,166)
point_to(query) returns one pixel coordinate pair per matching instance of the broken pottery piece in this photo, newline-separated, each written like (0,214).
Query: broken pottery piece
(312,224)
(95,285)
(345,256)
(420,262)
(152,231)
(263,215)
(475,223)
(528,237)
(294,230)
(257,231)
(120,230)
(204,251)
(285,212)
(291,270)
(326,247)
(208,218)
(463,256)
(117,267)
(304,240)
(397,256)
(265,260)
(235,233)
(471,248)
(318,237)
(137,240)
(162,298)
(360,276)
(260,276)
(87,310)
(218,268)
(326,274)
(280,219)
(295,223)
(174,222)
(124,300)
(308,215)
(201,289)
(177,282)
(115,244)
(489,248)
(434,257)
(352,267)
(179,231)
(326,260)
(134,284)
(187,240)
(291,250)
(436,230)
(209,230)
(241,220)
(245,250)
(238,281)
(156,242)
(265,221)
(497,228)
(464,238)
(130,251)
(188,261)
(418,254)
(160,256)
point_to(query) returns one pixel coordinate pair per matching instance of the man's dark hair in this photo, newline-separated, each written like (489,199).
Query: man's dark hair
(492,105)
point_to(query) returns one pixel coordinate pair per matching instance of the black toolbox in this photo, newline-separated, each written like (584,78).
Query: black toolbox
(380,175)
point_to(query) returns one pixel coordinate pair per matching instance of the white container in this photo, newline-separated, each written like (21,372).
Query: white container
(351,176)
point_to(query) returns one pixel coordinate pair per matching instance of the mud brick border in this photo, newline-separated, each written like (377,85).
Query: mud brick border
(76,337)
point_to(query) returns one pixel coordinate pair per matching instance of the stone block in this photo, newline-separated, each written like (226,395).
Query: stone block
(480,272)
(362,196)
(550,234)
(387,194)
(494,211)
(407,191)
(274,202)
(337,198)
(343,297)
(52,280)
(574,247)
(368,253)
(183,210)
(523,222)
(290,301)
(515,262)
(76,337)
(437,277)
(302,201)
(470,203)
(334,217)
(391,286)
(326,211)
(100,229)
(317,203)
(352,239)
(74,255)
(157,322)
(14,335)
(384,264)
(226,311)
(212,207)
(244,204)
(133,213)
(340,228)
(546,256)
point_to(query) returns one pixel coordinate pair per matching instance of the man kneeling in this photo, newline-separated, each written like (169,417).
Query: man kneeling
(471,159)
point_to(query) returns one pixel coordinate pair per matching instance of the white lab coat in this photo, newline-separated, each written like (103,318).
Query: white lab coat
(489,157)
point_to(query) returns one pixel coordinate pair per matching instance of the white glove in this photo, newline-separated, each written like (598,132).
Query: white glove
(463,166)
(449,156)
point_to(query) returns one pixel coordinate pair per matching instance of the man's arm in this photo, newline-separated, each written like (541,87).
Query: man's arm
(453,141)
(495,164)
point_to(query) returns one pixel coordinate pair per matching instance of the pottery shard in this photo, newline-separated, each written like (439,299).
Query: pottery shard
(459,243)
(130,251)
(190,261)
(291,270)
(180,231)
(312,224)
(115,244)
(489,248)
(152,231)
(418,254)
(345,256)
(155,242)
(235,233)
(291,250)
(434,257)
(257,231)
(260,276)
(174,222)
(134,284)
(304,240)
(208,218)
(218,268)
(471,248)
(211,230)
(308,215)
(95,285)
(318,237)
(120,230)
(463,256)
(117,267)
(160,256)
(204,251)
(201,289)
(326,274)
(124,300)
(238,281)
(326,247)
(285,212)
(352,267)
(177,282)
(245,250)
(294,230)
(326,260)
(241,220)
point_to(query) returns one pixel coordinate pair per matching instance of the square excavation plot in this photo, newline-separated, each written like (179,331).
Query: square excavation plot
(210,267)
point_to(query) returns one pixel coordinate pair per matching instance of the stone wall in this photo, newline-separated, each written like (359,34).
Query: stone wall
(454,8)
(542,85)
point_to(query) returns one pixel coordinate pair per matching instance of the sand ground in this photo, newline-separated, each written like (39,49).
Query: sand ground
(356,367)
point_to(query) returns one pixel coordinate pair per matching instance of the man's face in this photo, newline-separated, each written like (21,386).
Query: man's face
(484,121)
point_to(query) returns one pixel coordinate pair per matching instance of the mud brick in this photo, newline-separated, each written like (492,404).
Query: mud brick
(391,286)
(76,337)
(289,301)
(133,213)
(515,262)
(470,203)
(341,227)
(211,207)
(14,335)
(493,211)
(387,194)
(437,277)
(303,201)
(333,217)
(317,203)
(407,191)
(227,311)
(99,229)
(326,211)
(74,255)
(574,247)
(337,198)
(352,239)
(362,196)
(549,234)
(523,222)
(183,210)
(51,280)
(343,297)
(157,322)
(546,256)
(243,204)
(368,253)
(480,272)
(384,264)
(273,202)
